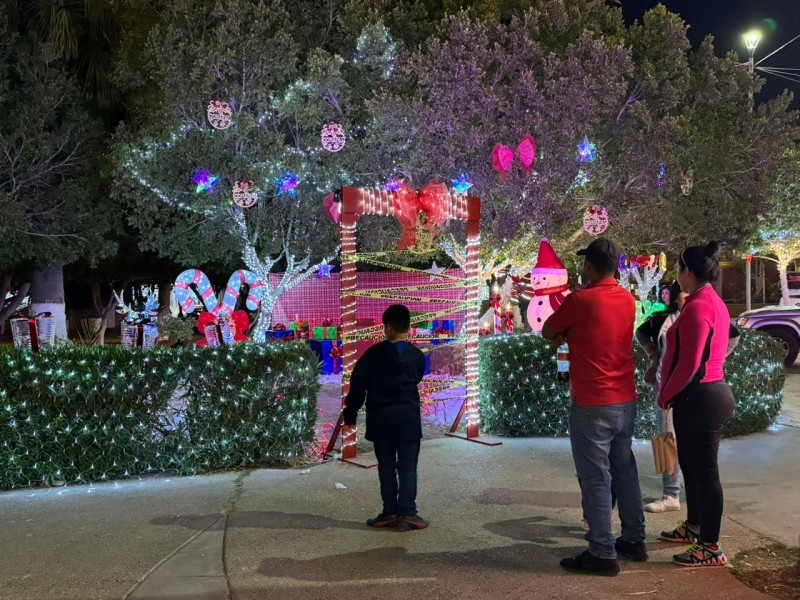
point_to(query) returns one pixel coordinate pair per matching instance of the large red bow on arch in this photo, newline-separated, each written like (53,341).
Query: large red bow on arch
(432,199)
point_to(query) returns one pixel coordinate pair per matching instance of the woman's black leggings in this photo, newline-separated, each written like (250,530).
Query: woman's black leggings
(699,414)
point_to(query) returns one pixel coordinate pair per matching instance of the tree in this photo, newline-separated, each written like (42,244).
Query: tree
(49,158)
(778,236)
(281,95)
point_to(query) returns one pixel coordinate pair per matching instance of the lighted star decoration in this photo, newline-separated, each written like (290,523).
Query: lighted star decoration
(324,270)
(435,270)
(587,150)
(393,184)
(287,184)
(204,181)
(461,185)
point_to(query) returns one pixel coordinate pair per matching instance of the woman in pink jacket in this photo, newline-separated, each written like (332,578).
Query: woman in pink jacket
(693,384)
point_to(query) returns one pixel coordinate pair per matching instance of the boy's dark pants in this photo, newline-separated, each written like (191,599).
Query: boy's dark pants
(397,462)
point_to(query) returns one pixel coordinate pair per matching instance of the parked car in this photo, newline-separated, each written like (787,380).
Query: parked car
(781,322)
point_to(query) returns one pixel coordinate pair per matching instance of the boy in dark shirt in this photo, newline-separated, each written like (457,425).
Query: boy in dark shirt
(386,377)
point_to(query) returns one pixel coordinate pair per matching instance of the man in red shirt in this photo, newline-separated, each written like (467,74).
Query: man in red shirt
(597,324)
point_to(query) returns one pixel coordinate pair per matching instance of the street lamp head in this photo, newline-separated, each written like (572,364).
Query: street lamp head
(751,39)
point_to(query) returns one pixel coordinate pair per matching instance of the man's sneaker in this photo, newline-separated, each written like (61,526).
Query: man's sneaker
(682,534)
(586,563)
(412,523)
(636,551)
(384,520)
(663,504)
(700,554)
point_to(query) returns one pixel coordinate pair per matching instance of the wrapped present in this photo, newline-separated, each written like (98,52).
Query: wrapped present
(283,335)
(324,332)
(421,324)
(329,353)
(443,327)
(298,325)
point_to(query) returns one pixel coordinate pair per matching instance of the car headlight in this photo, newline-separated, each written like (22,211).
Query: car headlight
(743,322)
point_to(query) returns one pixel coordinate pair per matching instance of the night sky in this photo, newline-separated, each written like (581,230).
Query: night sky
(727,20)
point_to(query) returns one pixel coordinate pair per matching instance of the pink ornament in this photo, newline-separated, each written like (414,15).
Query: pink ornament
(595,220)
(219,114)
(502,157)
(333,137)
(527,152)
(244,194)
(332,208)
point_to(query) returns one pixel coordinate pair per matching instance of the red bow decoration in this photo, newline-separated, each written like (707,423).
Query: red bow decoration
(303,334)
(516,287)
(335,354)
(643,260)
(327,322)
(240,322)
(503,156)
(431,199)
(279,327)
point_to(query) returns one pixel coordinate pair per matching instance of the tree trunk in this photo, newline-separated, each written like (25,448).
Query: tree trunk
(13,305)
(47,295)
(785,300)
(264,319)
(165,296)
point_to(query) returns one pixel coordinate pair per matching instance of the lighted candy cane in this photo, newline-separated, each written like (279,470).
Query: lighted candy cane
(239,277)
(185,297)
(494,301)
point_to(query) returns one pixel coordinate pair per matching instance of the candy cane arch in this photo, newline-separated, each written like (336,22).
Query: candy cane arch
(187,300)
(376,201)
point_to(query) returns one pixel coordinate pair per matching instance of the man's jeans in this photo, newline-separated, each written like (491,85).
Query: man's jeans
(671,483)
(601,447)
(397,471)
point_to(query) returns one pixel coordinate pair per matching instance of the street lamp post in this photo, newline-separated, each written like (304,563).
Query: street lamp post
(751,40)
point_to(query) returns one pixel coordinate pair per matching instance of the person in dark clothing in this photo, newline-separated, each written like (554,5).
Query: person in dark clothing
(386,378)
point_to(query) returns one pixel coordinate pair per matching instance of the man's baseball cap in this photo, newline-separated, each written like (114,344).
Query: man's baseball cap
(603,254)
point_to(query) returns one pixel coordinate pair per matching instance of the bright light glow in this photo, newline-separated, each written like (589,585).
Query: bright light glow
(751,39)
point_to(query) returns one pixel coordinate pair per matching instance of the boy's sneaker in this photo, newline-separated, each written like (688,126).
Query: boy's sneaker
(700,554)
(586,563)
(636,551)
(412,523)
(663,504)
(384,520)
(682,534)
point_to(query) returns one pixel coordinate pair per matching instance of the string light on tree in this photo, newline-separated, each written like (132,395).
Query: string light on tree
(662,171)
(393,185)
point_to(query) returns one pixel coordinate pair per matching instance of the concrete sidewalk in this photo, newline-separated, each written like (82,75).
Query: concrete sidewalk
(502,518)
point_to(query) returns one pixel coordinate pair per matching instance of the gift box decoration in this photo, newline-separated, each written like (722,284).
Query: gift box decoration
(33,333)
(329,353)
(443,327)
(324,332)
(298,325)
(139,335)
(284,335)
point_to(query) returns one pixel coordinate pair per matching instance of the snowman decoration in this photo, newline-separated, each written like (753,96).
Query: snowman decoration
(550,285)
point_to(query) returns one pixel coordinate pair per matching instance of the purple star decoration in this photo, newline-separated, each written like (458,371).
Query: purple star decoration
(393,185)
(287,184)
(324,270)
(461,185)
(586,150)
(204,181)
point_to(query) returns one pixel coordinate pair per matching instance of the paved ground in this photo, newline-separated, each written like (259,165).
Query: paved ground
(502,517)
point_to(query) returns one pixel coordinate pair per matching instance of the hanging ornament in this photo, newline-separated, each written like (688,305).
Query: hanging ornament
(662,170)
(461,185)
(287,184)
(244,193)
(595,220)
(333,137)
(324,270)
(393,185)
(688,182)
(586,150)
(204,181)
(219,114)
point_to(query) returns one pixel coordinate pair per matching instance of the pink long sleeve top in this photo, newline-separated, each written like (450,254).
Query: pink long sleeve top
(696,345)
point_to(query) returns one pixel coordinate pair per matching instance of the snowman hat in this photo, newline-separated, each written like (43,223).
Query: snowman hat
(548,263)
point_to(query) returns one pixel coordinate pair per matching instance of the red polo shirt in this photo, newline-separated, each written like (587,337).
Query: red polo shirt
(598,322)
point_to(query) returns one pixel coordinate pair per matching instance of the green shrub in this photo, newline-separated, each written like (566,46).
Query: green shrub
(93,413)
(520,396)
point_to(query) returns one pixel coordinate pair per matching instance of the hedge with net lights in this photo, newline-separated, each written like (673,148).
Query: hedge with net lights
(85,414)
(520,395)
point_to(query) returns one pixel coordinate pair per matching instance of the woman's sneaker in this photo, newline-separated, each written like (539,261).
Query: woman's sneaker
(682,534)
(412,523)
(663,504)
(384,520)
(702,555)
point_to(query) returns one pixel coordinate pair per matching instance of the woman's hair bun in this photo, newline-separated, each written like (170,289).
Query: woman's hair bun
(712,249)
